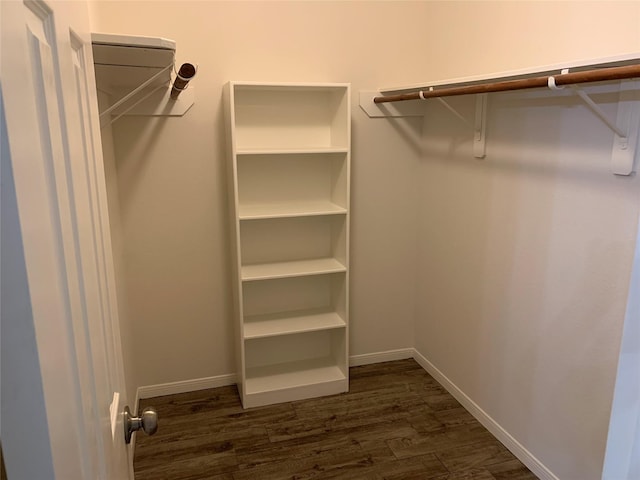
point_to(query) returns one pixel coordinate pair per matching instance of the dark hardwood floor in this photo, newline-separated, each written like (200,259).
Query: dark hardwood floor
(396,423)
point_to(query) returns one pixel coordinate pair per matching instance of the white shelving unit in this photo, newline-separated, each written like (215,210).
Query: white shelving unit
(289,147)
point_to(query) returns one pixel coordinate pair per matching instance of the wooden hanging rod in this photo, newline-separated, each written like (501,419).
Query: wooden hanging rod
(586,76)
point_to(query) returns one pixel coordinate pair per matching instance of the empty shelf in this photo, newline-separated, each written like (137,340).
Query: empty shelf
(258,326)
(292,375)
(299,209)
(265,271)
(289,151)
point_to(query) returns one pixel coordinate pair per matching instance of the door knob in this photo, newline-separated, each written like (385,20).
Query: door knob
(148,422)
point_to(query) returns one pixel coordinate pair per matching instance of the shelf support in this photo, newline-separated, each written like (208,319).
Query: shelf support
(480,129)
(417,109)
(479,125)
(157,103)
(114,119)
(134,91)
(455,112)
(598,111)
(625,147)
(626,126)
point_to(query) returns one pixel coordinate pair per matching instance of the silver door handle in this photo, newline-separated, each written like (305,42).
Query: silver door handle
(148,422)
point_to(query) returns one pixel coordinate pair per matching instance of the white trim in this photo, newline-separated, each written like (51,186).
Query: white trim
(133,41)
(524,455)
(379,357)
(184,386)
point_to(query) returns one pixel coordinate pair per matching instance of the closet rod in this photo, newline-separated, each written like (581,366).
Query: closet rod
(586,76)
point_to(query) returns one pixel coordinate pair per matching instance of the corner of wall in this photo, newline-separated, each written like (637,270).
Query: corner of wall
(515,447)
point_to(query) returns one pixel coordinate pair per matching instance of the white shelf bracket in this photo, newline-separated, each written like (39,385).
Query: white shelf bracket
(479,125)
(480,128)
(417,109)
(625,147)
(454,112)
(134,91)
(158,103)
(593,106)
(625,127)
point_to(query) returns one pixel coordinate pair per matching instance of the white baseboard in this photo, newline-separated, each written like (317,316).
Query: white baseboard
(184,386)
(524,455)
(379,357)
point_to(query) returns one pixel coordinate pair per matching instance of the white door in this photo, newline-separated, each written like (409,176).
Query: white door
(62,373)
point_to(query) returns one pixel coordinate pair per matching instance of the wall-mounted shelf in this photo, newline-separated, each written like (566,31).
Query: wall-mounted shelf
(126,61)
(136,72)
(407,101)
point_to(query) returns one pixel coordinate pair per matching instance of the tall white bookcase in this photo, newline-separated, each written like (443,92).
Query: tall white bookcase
(289,184)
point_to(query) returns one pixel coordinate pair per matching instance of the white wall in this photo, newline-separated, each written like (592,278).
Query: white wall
(171,172)
(524,271)
(523,259)
(525,256)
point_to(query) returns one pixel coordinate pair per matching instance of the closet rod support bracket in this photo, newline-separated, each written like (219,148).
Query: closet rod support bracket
(480,128)
(446,105)
(479,125)
(625,147)
(598,111)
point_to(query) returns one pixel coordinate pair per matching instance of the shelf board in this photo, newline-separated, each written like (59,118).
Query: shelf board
(283,210)
(299,268)
(259,326)
(292,375)
(288,151)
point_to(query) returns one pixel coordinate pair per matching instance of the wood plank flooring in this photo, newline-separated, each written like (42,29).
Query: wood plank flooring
(396,423)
